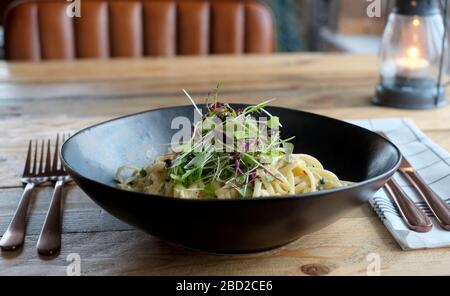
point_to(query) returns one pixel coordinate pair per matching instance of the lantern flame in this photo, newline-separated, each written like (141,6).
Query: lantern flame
(413,52)
(412,61)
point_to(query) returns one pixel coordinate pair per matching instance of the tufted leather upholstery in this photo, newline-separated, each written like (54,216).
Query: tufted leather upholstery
(41,30)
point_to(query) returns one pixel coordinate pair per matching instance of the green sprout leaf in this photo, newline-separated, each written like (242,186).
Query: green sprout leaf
(273,122)
(143,173)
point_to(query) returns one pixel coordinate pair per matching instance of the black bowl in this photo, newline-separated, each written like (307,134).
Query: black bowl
(228,226)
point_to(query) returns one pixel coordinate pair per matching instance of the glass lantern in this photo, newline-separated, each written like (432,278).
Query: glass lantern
(411,56)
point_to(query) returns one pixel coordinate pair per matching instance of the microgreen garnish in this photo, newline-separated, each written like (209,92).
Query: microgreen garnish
(246,153)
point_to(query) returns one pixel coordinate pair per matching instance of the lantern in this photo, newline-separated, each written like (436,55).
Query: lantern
(412,55)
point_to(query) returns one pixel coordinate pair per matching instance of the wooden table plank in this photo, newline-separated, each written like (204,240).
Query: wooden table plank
(109,107)
(307,81)
(162,72)
(135,253)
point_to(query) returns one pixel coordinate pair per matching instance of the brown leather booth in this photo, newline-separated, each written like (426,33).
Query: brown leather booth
(41,30)
(3,5)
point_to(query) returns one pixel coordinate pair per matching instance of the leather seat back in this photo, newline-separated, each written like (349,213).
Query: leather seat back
(41,29)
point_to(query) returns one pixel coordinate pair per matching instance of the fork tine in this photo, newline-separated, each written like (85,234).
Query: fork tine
(55,155)
(41,160)
(26,170)
(33,172)
(48,158)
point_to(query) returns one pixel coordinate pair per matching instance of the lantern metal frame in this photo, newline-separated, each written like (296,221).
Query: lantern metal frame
(424,95)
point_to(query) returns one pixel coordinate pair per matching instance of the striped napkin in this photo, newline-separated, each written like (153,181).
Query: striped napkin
(433,164)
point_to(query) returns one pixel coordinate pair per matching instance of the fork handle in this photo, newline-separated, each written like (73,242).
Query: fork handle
(49,241)
(439,208)
(14,235)
(411,214)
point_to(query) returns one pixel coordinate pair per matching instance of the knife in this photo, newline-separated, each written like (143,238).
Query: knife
(437,206)
(413,217)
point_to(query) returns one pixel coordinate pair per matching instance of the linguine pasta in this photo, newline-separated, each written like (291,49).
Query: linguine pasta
(300,173)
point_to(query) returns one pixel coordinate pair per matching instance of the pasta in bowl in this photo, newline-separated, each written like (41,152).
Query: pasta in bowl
(301,173)
(249,159)
(204,217)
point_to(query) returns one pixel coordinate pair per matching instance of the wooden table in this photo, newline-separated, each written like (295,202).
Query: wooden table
(39,100)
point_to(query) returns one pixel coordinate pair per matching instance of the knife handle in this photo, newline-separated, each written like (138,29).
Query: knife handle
(414,218)
(439,208)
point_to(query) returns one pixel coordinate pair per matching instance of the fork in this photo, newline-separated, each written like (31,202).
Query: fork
(32,175)
(49,241)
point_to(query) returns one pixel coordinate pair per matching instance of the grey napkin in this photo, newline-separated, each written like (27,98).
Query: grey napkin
(432,163)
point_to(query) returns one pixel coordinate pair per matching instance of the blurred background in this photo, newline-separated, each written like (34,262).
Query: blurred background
(328,25)
(312,25)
